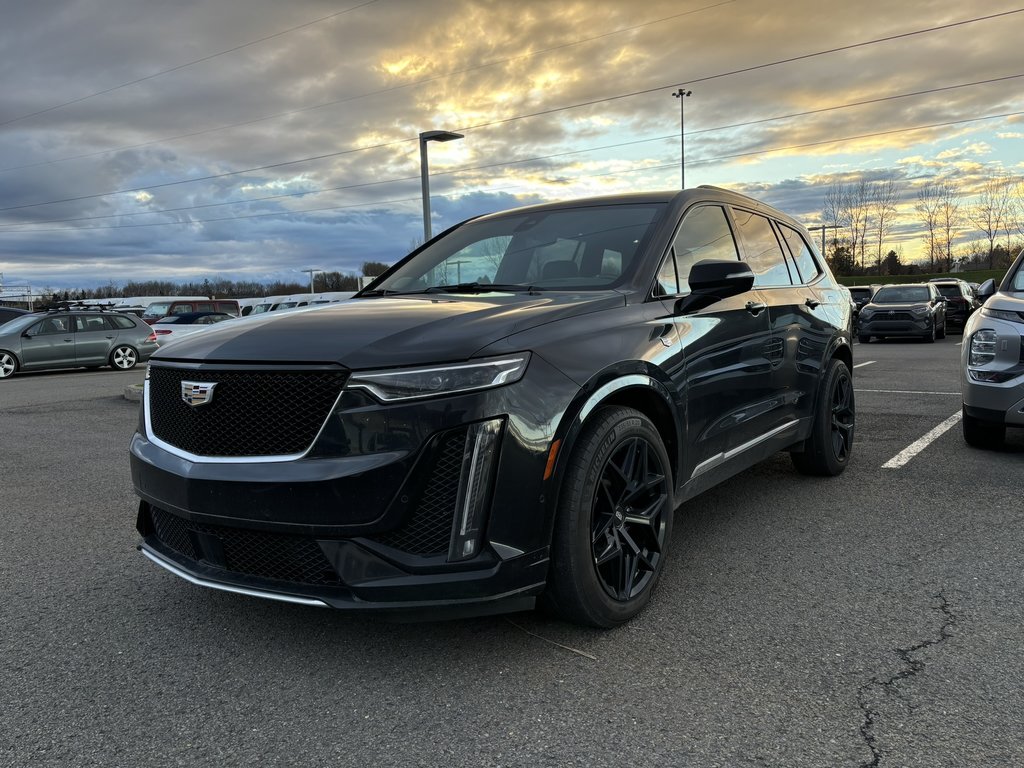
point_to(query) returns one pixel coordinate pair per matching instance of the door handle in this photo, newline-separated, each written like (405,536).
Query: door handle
(755,307)
(813,303)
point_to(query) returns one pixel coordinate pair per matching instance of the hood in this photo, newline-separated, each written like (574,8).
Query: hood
(383,331)
(1013,302)
(903,306)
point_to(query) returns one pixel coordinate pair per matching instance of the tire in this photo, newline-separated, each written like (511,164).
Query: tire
(123,357)
(942,330)
(8,364)
(864,339)
(827,451)
(929,338)
(606,555)
(982,434)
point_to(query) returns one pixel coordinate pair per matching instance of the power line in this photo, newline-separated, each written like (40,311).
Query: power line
(412,84)
(515,118)
(617,145)
(705,161)
(186,64)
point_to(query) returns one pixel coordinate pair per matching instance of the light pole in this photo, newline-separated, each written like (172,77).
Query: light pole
(424,175)
(311,273)
(681,94)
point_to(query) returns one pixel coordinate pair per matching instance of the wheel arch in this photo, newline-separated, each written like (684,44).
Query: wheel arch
(12,353)
(638,390)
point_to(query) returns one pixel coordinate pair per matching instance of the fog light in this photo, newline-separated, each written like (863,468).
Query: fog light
(479,459)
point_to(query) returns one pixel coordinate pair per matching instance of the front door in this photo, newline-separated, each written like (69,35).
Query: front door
(50,343)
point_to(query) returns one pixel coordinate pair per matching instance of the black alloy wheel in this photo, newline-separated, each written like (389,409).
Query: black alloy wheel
(614,520)
(629,519)
(827,451)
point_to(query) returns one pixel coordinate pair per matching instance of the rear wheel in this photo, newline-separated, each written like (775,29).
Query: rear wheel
(8,364)
(827,450)
(124,358)
(614,521)
(982,434)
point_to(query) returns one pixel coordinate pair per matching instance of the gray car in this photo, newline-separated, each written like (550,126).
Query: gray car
(992,361)
(911,309)
(74,338)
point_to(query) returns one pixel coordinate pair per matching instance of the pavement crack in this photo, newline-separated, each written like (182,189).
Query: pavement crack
(889,687)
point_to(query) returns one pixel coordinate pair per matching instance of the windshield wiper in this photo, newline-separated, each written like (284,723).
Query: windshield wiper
(476,287)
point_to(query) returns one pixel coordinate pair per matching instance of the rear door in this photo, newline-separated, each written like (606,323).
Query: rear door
(94,337)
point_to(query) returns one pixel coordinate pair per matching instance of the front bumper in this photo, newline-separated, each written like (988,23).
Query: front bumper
(877,326)
(366,520)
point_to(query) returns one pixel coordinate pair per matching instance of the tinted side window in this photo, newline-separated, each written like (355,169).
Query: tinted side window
(91,323)
(704,234)
(763,252)
(802,254)
(181,309)
(52,325)
(122,322)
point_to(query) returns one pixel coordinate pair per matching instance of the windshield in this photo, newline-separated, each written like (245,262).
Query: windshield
(18,324)
(570,248)
(860,293)
(949,290)
(902,294)
(158,309)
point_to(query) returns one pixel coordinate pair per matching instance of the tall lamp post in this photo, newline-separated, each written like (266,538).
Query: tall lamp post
(311,273)
(681,94)
(425,137)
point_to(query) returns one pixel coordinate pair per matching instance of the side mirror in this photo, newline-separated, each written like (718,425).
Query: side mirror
(712,280)
(985,290)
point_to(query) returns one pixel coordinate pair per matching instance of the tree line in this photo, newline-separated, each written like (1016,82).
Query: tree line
(219,287)
(862,213)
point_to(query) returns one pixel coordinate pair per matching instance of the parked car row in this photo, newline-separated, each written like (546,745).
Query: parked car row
(920,310)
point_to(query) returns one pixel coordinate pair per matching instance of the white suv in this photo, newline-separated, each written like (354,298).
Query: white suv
(992,361)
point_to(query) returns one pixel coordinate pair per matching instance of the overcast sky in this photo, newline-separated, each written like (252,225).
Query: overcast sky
(251,139)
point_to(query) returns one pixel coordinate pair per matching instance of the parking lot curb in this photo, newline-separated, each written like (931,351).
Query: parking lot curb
(133,392)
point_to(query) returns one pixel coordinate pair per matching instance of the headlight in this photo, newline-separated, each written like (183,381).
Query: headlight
(920,311)
(866,314)
(1003,314)
(983,347)
(437,380)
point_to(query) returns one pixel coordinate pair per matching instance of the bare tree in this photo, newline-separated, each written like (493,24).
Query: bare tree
(950,219)
(989,214)
(882,197)
(928,204)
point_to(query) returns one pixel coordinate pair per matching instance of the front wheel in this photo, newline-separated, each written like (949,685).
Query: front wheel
(864,339)
(8,364)
(982,434)
(827,451)
(124,358)
(614,521)
(942,330)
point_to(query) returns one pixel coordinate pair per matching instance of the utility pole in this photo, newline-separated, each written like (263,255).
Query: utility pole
(681,94)
(311,273)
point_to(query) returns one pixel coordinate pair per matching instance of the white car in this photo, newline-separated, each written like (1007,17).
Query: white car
(992,361)
(174,327)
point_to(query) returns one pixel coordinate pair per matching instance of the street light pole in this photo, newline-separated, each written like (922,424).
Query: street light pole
(311,273)
(681,94)
(425,137)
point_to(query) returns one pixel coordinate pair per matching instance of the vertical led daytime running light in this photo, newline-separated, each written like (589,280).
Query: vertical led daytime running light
(478,460)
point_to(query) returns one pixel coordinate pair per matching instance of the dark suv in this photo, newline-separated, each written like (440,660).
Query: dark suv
(514,410)
(910,309)
(960,300)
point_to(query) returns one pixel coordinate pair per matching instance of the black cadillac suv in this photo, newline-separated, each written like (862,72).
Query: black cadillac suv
(513,412)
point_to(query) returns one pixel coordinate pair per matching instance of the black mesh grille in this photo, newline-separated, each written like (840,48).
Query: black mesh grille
(429,528)
(252,413)
(286,557)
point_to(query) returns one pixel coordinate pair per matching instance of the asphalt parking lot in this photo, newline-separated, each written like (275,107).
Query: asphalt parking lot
(869,620)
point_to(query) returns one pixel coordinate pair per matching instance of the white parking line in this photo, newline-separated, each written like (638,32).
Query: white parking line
(917,446)
(866,362)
